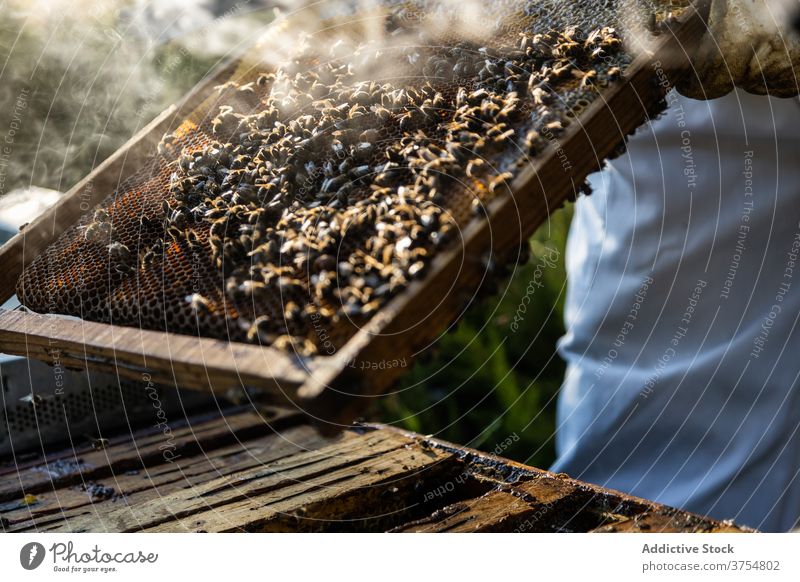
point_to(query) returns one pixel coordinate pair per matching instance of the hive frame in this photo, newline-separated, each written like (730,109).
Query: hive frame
(329,388)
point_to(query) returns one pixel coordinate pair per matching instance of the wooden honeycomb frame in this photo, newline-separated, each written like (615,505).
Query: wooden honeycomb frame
(327,387)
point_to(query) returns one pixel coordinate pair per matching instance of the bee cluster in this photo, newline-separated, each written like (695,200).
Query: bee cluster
(321,189)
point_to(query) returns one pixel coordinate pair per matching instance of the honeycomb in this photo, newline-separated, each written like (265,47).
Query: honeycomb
(300,198)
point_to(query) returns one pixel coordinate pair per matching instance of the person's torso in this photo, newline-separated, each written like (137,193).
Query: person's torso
(682,311)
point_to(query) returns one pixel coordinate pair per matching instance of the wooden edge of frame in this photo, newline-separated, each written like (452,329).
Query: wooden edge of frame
(186,361)
(336,394)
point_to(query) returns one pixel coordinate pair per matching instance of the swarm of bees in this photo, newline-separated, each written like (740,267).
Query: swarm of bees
(321,190)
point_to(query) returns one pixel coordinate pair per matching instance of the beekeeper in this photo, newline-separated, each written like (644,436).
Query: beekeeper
(683,303)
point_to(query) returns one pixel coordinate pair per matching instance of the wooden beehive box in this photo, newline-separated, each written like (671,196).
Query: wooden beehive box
(238,473)
(332,388)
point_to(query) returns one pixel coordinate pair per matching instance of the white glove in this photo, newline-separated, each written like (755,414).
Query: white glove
(748,45)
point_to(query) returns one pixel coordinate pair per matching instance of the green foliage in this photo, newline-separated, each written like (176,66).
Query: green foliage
(490,384)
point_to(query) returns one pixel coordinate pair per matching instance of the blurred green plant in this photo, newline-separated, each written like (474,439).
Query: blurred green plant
(491,383)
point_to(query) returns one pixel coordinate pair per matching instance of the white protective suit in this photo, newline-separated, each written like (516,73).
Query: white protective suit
(683,340)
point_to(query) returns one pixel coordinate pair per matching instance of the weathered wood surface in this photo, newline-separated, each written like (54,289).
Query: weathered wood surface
(550,504)
(135,452)
(187,361)
(134,486)
(269,471)
(331,391)
(667,520)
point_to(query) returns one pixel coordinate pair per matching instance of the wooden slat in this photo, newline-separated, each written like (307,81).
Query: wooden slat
(496,511)
(527,507)
(370,478)
(544,501)
(78,467)
(188,361)
(378,474)
(665,520)
(551,504)
(248,499)
(134,487)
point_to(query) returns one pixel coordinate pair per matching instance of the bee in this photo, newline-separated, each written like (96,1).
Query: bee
(473,165)
(359,110)
(461,97)
(371,307)
(177,218)
(185,162)
(198,303)
(477,207)
(333,184)
(588,78)
(264,79)
(175,233)
(152,254)
(477,96)
(540,96)
(165,146)
(560,72)
(611,41)
(123,268)
(101,215)
(119,252)
(416,268)
(250,288)
(363,150)
(193,239)
(410,120)
(489,108)
(597,53)
(383,114)
(531,139)
(499,180)
(370,136)
(299,345)
(99,232)
(554,126)
(261,331)
(99,443)
(292,313)
(508,134)
(32,399)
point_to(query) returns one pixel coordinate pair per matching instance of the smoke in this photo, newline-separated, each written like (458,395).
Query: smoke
(80,77)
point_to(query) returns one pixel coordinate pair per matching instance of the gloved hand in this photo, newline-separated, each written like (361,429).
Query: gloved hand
(749,44)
